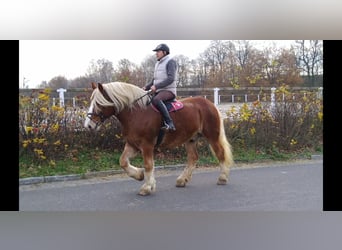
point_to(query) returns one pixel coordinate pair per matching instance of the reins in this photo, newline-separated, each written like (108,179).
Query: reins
(147,93)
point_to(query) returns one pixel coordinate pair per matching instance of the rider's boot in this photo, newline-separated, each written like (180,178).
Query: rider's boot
(168,123)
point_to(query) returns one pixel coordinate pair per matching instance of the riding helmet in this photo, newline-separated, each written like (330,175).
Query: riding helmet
(162,47)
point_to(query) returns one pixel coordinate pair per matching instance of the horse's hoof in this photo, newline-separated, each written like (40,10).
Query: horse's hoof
(222,181)
(144,193)
(147,189)
(180,183)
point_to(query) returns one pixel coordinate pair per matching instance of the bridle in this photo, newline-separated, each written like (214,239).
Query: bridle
(97,123)
(102,117)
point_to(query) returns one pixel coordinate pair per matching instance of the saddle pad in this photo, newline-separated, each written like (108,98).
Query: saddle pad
(171,106)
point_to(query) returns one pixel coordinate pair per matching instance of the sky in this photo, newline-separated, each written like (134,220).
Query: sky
(41,60)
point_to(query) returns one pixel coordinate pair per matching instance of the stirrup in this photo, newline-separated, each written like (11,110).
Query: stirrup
(168,127)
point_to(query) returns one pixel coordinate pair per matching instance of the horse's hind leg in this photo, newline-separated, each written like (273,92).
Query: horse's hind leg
(222,150)
(134,172)
(192,158)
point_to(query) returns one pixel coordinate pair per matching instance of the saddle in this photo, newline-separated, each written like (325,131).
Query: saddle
(171,106)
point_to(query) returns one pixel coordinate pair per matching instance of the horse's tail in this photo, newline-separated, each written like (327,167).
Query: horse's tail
(223,141)
(228,155)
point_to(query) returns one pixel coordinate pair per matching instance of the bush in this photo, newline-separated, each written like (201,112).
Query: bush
(288,124)
(49,133)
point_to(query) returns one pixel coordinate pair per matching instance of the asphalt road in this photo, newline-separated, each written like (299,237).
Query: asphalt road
(296,186)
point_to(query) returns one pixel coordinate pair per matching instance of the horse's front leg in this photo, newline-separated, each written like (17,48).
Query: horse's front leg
(150,183)
(134,172)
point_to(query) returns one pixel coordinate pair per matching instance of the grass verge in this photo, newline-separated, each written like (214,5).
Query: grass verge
(88,162)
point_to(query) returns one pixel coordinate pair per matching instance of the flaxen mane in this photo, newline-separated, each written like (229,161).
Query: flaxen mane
(122,95)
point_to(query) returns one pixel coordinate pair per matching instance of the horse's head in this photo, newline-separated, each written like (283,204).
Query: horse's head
(97,113)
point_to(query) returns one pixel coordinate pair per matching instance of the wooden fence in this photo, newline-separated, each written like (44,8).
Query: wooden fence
(76,97)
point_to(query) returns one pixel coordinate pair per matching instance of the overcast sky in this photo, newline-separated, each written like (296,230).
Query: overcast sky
(41,60)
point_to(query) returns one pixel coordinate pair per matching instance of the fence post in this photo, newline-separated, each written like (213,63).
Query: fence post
(320,93)
(216,97)
(61,96)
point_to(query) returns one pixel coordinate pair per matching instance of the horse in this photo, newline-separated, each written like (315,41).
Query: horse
(141,124)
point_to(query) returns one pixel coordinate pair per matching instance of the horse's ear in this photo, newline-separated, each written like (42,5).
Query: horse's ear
(93,85)
(103,92)
(100,87)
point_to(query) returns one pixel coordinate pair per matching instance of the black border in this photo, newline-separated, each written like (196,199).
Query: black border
(9,126)
(331,125)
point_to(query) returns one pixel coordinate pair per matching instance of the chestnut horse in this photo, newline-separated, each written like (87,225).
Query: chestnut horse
(141,128)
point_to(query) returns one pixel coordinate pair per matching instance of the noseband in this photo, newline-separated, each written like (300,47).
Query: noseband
(97,123)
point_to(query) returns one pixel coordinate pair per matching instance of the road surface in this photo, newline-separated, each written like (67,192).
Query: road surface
(294,186)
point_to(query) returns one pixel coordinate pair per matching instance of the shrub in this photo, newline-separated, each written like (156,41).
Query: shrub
(289,124)
(48,133)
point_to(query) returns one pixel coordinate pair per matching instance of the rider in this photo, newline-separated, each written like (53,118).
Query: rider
(163,83)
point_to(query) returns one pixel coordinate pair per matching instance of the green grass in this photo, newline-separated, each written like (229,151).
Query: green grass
(100,161)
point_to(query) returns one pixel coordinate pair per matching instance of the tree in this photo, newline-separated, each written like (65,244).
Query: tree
(125,71)
(43,85)
(147,70)
(80,82)
(216,62)
(100,71)
(58,82)
(280,67)
(310,58)
(183,64)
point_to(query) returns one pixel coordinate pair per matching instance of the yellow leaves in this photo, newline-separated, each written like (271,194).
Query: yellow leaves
(252,131)
(47,91)
(39,140)
(246,113)
(43,97)
(235,85)
(55,127)
(253,79)
(44,110)
(57,109)
(232,109)
(320,116)
(40,153)
(283,89)
(57,143)
(26,143)
(293,142)
(28,129)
